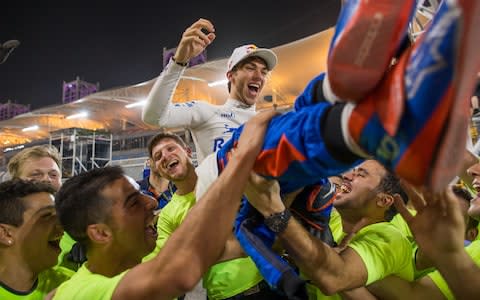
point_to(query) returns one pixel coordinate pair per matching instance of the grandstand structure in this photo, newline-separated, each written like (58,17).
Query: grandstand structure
(105,128)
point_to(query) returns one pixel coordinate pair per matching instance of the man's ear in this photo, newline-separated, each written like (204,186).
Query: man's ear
(189,151)
(384,200)
(471,234)
(99,233)
(6,235)
(229,75)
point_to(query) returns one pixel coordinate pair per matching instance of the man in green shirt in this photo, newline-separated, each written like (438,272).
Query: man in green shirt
(439,228)
(29,240)
(375,247)
(104,210)
(230,277)
(43,163)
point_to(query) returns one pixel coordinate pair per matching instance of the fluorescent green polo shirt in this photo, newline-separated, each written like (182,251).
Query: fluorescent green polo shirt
(223,280)
(384,250)
(474,251)
(47,281)
(87,285)
(171,216)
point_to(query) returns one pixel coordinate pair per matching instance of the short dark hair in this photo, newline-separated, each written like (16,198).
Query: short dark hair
(161,136)
(12,193)
(391,185)
(79,202)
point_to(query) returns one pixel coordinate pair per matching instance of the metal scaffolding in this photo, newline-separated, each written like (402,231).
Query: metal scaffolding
(82,150)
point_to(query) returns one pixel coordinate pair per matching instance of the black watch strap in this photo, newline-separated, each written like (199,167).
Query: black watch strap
(179,63)
(278,221)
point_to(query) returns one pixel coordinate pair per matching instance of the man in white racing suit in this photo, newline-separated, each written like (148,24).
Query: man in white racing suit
(210,125)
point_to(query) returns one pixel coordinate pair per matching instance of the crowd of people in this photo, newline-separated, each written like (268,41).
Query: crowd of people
(368,189)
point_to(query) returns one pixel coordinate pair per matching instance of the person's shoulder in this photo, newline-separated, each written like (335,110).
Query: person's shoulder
(385,231)
(176,205)
(87,285)
(180,201)
(57,272)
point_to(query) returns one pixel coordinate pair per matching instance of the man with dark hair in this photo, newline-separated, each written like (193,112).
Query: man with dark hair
(432,284)
(364,204)
(43,163)
(155,184)
(210,125)
(171,158)
(29,240)
(115,223)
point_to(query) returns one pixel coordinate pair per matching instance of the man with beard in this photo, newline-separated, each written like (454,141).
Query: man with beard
(375,247)
(172,159)
(439,229)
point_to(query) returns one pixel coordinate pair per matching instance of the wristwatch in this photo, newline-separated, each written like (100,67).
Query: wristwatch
(278,221)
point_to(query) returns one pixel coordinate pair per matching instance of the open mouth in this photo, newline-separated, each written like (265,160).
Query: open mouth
(172,164)
(151,229)
(54,244)
(254,88)
(345,188)
(476,186)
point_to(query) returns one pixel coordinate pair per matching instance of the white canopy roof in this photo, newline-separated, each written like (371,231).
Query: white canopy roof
(299,62)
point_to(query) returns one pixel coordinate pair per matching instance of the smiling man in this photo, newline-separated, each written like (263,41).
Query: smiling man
(104,210)
(38,163)
(210,125)
(43,163)
(172,159)
(439,227)
(29,241)
(376,247)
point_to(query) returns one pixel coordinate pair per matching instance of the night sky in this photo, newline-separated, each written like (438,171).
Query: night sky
(120,43)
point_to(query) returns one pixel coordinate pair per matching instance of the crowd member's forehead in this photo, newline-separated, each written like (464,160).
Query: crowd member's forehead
(38,202)
(371,167)
(118,190)
(166,142)
(38,163)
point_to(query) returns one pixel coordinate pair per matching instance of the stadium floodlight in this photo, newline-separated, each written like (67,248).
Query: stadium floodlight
(7,48)
(135,104)
(31,128)
(218,82)
(82,114)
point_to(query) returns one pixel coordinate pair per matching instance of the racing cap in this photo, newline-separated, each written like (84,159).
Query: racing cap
(250,50)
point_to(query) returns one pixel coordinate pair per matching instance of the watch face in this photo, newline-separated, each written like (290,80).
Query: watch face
(274,223)
(278,222)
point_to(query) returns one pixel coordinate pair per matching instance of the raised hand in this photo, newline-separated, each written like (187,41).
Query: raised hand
(251,139)
(438,226)
(264,194)
(194,40)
